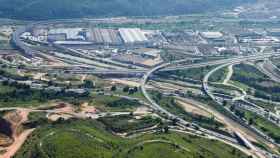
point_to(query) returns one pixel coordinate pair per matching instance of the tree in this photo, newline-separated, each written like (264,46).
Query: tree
(189,93)
(158,96)
(131,91)
(251,121)
(174,121)
(88,84)
(239,113)
(50,83)
(165,129)
(113,88)
(4,66)
(224,102)
(21,66)
(126,89)
(135,89)
(232,108)
(5,83)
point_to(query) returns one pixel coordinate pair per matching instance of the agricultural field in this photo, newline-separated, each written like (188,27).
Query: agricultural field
(87,139)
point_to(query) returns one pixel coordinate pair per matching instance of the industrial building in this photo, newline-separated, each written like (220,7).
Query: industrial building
(56,37)
(147,52)
(70,33)
(132,35)
(211,35)
(115,37)
(104,36)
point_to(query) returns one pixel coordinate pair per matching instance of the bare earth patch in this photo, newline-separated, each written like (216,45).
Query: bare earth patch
(193,109)
(16,118)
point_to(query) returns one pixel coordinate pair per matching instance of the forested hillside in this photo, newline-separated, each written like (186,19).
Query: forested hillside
(46,9)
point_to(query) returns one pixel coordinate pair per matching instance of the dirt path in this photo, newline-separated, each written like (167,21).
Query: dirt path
(18,142)
(226,82)
(16,119)
(229,74)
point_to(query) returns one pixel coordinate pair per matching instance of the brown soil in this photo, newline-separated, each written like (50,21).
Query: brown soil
(19,135)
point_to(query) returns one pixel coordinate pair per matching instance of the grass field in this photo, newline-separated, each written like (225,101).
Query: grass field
(262,124)
(113,103)
(193,73)
(252,80)
(121,124)
(240,85)
(267,105)
(5,89)
(170,105)
(88,139)
(219,76)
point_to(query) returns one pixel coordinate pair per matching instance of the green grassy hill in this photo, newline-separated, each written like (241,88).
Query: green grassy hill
(42,9)
(88,139)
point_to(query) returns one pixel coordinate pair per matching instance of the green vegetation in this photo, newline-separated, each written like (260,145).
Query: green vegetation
(225,87)
(170,105)
(264,104)
(127,123)
(40,9)
(261,84)
(219,76)
(113,103)
(36,119)
(11,73)
(157,149)
(193,73)
(5,89)
(14,94)
(197,74)
(87,139)
(262,124)
(241,85)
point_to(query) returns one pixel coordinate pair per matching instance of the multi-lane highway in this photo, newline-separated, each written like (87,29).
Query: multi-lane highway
(205,86)
(146,73)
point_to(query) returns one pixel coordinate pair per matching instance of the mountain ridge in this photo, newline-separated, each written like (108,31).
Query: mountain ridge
(52,9)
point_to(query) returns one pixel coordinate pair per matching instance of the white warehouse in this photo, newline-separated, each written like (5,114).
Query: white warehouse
(132,35)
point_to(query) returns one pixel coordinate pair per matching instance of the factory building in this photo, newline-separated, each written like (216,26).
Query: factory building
(147,52)
(132,35)
(137,59)
(211,35)
(70,33)
(123,37)
(56,37)
(104,36)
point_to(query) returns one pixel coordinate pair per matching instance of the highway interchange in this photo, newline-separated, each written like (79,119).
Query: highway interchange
(146,75)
